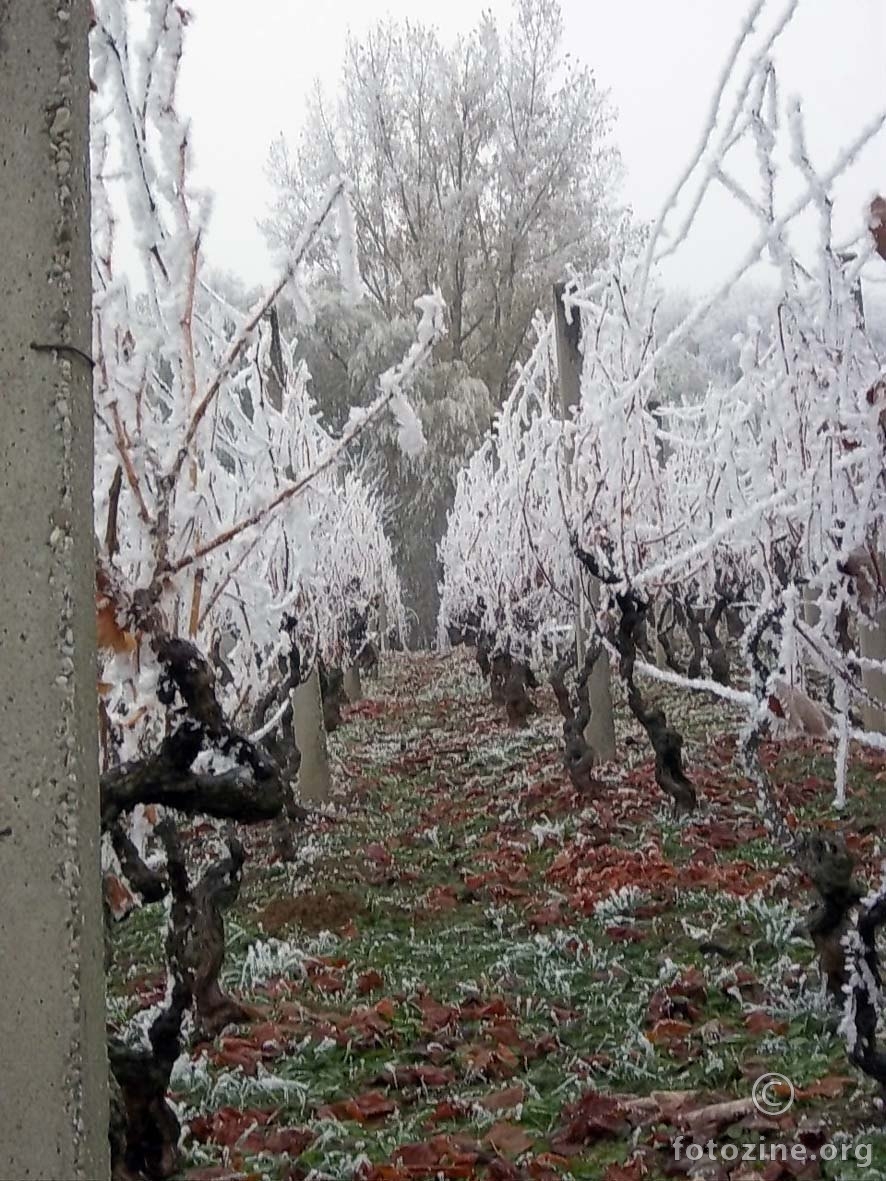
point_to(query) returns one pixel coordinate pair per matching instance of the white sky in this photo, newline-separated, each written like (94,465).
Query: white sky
(249,63)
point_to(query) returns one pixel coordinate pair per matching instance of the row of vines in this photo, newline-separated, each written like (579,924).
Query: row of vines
(238,552)
(731,545)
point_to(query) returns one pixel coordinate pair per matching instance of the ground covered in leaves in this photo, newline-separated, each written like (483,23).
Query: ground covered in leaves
(470,972)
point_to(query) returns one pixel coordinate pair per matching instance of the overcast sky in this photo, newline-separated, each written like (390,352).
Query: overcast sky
(249,65)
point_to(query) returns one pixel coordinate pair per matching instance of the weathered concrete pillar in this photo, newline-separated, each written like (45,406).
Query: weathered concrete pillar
(53,1090)
(600,731)
(353,684)
(383,624)
(314,781)
(872,641)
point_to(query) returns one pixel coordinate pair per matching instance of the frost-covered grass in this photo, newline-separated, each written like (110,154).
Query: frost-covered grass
(469,945)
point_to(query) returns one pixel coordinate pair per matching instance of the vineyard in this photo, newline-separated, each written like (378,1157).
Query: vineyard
(472,972)
(591,888)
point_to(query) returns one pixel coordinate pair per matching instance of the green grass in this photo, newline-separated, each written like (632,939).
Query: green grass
(469,905)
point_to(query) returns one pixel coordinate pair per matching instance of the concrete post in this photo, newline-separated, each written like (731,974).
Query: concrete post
(872,638)
(383,623)
(53,1093)
(600,732)
(353,684)
(314,781)
(872,641)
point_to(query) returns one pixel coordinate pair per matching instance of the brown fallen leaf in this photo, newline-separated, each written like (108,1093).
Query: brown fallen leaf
(503,1100)
(509,1139)
(370,1105)
(665,1031)
(759,1021)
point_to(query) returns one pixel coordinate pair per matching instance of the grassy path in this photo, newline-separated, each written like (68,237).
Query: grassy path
(468,963)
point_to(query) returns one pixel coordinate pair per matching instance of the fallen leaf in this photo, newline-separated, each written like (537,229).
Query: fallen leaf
(371,1105)
(759,1021)
(509,1139)
(369,982)
(503,1100)
(664,1032)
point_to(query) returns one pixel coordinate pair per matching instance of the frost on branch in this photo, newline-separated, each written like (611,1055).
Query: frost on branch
(239,541)
(224,501)
(763,489)
(754,498)
(347,249)
(505,564)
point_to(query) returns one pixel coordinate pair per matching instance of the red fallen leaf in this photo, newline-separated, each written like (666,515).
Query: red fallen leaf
(365,1026)
(371,1172)
(118,895)
(591,1118)
(226,1126)
(509,1139)
(350,930)
(717,835)
(664,1032)
(418,1156)
(625,934)
(505,1033)
(435,1016)
(441,898)
(759,1021)
(446,1156)
(690,983)
(474,1009)
(563,860)
(543,1047)
(503,1100)
(149,988)
(361,1108)
(240,1052)
(386,1008)
(492,1063)
(409,1076)
(548,916)
(366,709)
(274,1036)
(369,981)
(500,1169)
(278,1140)
(378,854)
(447,1110)
(541,1167)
